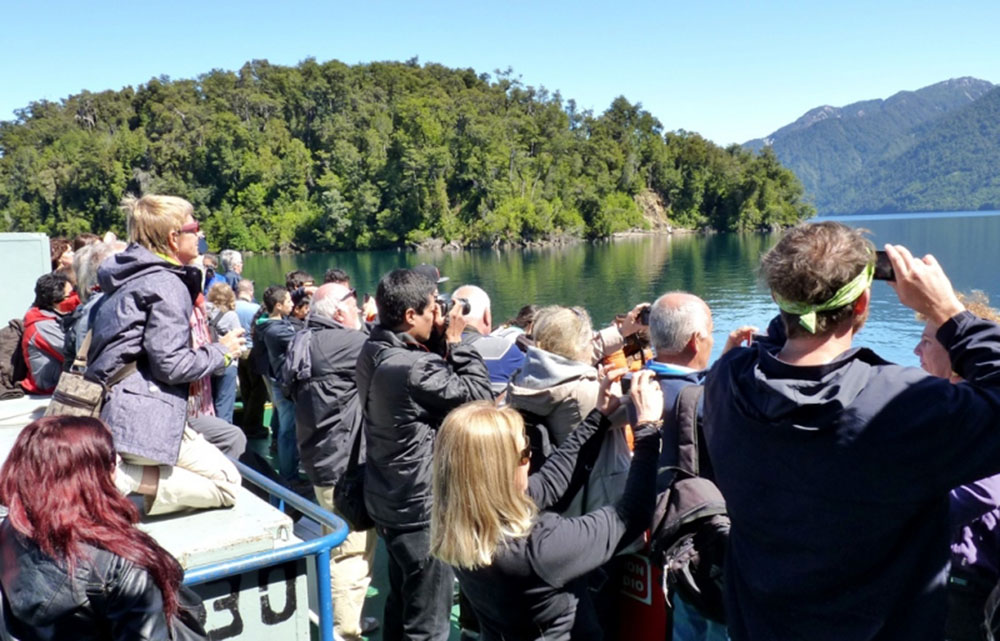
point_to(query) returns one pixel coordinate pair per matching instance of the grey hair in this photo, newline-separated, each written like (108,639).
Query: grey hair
(228,258)
(670,327)
(87,260)
(326,306)
(479,300)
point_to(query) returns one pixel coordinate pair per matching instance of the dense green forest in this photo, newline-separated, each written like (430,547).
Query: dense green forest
(331,156)
(952,166)
(914,151)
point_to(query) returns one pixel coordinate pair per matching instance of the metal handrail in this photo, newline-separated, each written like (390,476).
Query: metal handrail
(320,547)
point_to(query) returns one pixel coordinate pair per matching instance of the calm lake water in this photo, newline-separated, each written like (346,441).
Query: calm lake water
(609,278)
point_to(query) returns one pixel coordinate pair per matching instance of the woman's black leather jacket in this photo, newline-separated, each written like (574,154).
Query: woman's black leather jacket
(107,597)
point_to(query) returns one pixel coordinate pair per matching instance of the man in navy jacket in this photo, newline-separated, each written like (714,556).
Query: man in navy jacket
(836,464)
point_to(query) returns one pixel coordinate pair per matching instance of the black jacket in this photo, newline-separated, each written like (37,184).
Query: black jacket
(327,412)
(836,478)
(106,599)
(536,587)
(276,334)
(406,391)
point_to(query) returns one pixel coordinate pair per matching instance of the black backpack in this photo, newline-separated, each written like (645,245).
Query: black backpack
(690,530)
(13,369)
(297,367)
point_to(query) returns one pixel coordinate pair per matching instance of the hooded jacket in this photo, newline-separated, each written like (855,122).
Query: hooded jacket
(144,316)
(276,335)
(405,392)
(836,478)
(107,597)
(559,390)
(42,347)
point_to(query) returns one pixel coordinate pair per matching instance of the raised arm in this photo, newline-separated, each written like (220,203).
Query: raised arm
(564,549)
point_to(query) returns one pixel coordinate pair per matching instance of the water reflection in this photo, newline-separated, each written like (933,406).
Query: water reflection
(608,278)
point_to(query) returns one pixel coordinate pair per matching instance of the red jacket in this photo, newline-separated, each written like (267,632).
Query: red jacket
(42,347)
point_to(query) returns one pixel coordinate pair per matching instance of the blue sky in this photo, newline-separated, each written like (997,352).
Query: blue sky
(728,70)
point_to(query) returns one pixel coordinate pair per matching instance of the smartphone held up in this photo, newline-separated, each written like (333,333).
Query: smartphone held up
(883,266)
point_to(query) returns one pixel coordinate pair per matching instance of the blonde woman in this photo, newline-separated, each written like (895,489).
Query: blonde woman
(557,382)
(555,389)
(522,568)
(145,319)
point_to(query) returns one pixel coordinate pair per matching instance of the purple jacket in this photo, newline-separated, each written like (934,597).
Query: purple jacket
(974,512)
(144,316)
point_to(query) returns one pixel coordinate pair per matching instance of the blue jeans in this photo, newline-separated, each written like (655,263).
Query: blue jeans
(288,446)
(224,394)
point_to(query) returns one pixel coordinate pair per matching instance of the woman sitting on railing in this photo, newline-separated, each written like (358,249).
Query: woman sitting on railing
(74,564)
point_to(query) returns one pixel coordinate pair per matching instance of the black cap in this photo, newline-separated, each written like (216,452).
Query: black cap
(431,272)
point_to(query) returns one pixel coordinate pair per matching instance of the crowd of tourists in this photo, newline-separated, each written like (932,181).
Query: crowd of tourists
(798,488)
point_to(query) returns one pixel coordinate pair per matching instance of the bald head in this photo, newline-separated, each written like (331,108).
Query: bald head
(479,315)
(337,302)
(680,329)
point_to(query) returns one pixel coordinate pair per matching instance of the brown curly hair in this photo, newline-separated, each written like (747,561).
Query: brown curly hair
(810,263)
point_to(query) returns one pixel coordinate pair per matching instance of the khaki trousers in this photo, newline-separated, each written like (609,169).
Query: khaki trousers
(202,478)
(350,572)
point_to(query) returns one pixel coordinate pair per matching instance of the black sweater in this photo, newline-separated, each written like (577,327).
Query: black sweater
(535,588)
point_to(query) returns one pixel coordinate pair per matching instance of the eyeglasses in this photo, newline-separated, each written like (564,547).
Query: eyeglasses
(189,228)
(526,452)
(350,294)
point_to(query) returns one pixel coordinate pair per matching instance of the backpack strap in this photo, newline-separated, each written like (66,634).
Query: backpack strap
(213,323)
(685,419)
(297,367)
(80,363)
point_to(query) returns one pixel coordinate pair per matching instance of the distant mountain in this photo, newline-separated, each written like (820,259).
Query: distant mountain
(952,166)
(830,147)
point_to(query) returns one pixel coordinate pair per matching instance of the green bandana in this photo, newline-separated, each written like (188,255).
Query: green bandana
(844,296)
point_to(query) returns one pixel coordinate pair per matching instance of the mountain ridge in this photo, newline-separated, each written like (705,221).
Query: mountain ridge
(828,146)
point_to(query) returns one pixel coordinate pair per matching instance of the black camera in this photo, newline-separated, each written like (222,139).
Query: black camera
(644,315)
(447,303)
(626,382)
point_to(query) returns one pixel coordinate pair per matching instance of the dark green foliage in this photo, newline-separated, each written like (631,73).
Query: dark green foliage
(952,167)
(331,156)
(839,153)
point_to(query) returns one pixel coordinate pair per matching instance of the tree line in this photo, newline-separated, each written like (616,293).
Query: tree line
(324,156)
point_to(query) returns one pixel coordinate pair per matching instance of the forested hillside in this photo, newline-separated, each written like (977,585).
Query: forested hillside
(331,156)
(837,152)
(952,167)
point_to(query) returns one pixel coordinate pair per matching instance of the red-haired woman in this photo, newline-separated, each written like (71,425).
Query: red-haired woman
(74,566)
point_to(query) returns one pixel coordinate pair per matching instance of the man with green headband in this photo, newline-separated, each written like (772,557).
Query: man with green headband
(835,463)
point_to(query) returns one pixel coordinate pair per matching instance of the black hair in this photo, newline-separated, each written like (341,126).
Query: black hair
(272,296)
(50,290)
(525,316)
(336,275)
(400,290)
(297,278)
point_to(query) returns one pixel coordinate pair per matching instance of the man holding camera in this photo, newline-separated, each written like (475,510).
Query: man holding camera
(406,389)
(836,464)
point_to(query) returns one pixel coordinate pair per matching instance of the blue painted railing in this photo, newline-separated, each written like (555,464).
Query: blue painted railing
(320,548)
